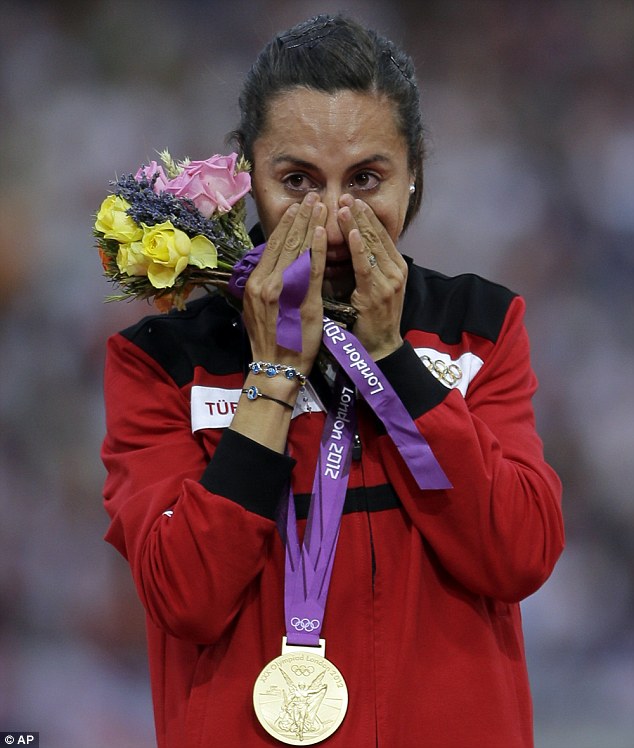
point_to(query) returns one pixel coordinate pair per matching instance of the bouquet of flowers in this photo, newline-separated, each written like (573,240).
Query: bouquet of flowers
(173,227)
(176,226)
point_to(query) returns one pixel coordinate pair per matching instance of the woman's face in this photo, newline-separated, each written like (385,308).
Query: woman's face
(333,144)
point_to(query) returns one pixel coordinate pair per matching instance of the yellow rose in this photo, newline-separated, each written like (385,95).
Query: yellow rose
(170,250)
(167,248)
(131,259)
(114,223)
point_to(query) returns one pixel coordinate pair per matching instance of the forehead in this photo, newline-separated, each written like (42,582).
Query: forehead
(318,125)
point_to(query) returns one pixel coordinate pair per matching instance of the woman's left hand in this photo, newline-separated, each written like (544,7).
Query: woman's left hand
(380,273)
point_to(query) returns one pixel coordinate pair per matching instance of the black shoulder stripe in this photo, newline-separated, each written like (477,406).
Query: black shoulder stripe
(207,333)
(450,306)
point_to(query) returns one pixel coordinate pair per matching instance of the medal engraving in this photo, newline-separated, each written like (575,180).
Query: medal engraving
(300,697)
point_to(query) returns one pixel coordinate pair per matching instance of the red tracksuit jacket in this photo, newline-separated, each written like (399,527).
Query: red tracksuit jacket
(422,617)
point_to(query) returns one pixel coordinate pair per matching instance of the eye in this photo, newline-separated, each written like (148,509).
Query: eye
(298,182)
(364,181)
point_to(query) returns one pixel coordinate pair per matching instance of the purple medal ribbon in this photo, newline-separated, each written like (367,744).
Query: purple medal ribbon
(295,278)
(309,565)
(295,281)
(381,397)
(242,270)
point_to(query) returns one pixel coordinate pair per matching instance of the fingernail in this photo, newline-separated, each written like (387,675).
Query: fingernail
(311,198)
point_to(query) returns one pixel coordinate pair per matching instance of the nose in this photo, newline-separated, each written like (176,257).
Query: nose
(330,199)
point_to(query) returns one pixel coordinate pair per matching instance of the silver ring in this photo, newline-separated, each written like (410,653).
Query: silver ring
(372,260)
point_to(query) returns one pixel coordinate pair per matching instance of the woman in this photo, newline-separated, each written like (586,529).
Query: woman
(421,617)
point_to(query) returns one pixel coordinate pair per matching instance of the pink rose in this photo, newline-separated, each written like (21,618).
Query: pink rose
(212,185)
(149,171)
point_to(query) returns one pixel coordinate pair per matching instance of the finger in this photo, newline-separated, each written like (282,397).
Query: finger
(364,259)
(375,235)
(355,214)
(364,264)
(346,219)
(288,238)
(318,260)
(317,219)
(378,241)
(299,235)
(366,243)
(275,242)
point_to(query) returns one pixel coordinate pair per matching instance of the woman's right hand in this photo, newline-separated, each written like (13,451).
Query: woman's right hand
(300,228)
(266,419)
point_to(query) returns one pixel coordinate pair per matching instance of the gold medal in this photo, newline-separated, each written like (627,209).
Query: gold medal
(300,697)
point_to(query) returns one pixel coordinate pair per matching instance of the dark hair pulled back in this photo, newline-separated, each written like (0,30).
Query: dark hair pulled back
(333,53)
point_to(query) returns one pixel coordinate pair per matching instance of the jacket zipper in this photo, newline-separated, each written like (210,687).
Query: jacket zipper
(356,456)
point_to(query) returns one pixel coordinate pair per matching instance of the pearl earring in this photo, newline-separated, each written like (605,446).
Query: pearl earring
(412,189)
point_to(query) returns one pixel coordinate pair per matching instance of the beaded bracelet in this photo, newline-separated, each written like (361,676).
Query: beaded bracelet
(271,370)
(253,393)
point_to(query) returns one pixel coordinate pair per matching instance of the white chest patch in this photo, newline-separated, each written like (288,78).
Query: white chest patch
(213,407)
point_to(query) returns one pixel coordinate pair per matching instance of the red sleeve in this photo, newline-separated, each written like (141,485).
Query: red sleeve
(499,530)
(193,552)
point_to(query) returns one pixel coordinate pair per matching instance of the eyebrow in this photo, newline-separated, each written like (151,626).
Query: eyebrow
(288,158)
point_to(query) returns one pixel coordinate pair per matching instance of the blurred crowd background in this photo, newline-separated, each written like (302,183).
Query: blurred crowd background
(529,181)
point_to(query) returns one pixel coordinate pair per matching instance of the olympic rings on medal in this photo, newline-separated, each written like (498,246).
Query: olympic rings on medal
(303,670)
(305,624)
(449,375)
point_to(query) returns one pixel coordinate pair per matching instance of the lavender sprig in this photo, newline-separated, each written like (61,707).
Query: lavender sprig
(146,207)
